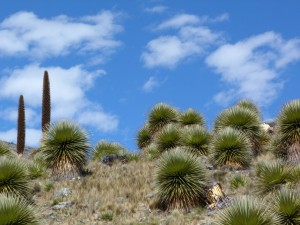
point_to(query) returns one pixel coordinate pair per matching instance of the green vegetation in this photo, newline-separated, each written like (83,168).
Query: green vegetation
(246,211)
(65,147)
(13,177)
(286,205)
(168,137)
(104,148)
(181,179)
(230,147)
(191,117)
(15,210)
(288,133)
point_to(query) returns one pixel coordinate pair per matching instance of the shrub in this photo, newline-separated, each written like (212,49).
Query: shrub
(65,147)
(144,137)
(244,120)
(248,104)
(5,150)
(245,211)
(14,210)
(161,115)
(271,176)
(288,125)
(230,147)
(237,181)
(13,177)
(191,117)
(180,178)
(196,139)
(168,138)
(104,148)
(286,205)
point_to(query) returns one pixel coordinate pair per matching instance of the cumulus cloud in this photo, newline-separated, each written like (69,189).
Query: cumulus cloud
(150,84)
(32,138)
(251,68)
(191,38)
(156,9)
(11,114)
(68,93)
(26,34)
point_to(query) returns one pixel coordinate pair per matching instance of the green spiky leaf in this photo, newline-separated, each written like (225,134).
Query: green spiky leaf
(191,117)
(104,148)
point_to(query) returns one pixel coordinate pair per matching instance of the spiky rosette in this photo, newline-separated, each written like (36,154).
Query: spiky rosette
(104,148)
(65,147)
(196,139)
(161,115)
(144,137)
(286,205)
(191,117)
(246,211)
(230,147)
(288,125)
(243,120)
(5,150)
(13,177)
(169,137)
(15,210)
(271,176)
(181,179)
(248,104)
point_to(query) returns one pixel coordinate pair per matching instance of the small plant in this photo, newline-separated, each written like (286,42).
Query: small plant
(13,177)
(248,104)
(15,210)
(230,147)
(35,170)
(245,211)
(288,125)
(180,179)
(55,202)
(168,138)
(244,120)
(107,216)
(237,181)
(65,147)
(191,117)
(161,115)
(5,150)
(144,137)
(271,176)
(196,139)
(49,186)
(133,157)
(286,205)
(104,148)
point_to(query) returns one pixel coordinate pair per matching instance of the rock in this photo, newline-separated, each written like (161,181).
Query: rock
(209,166)
(64,192)
(62,205)
(111,158)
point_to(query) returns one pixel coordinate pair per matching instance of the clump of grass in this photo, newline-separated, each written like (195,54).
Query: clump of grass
(49,186)
(238,181)
(245,211)
(107,216)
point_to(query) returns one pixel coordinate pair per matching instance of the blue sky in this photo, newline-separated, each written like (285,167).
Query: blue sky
(110,61)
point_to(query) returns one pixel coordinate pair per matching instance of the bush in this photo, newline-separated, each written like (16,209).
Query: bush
(144,137)
(286,205)
(168,138)
(13,177)
(191,117)
(196,139)
(181,179)
(104,148)
(65,147)
(230,147)
(245,211)
(14,210)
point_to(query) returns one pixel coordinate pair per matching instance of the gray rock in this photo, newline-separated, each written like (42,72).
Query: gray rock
(62,205)
(64,192)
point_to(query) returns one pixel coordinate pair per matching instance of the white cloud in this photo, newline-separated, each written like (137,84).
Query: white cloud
(26,34)
(11,114)
(191,39)
(156,9)
(32,136)
(68,93)
(252,67)
(150,84)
